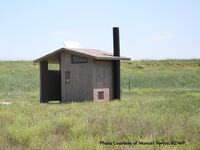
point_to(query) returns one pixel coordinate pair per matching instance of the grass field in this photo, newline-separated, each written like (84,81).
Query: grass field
(163,104)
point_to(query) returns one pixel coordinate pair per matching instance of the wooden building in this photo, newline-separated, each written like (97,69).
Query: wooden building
(83,74)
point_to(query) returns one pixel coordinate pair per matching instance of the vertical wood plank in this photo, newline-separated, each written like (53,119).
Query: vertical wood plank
(43,81)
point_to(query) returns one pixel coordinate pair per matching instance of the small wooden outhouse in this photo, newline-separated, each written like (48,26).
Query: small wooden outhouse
(83,74)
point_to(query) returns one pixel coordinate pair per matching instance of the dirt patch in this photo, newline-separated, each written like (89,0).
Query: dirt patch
(5,103)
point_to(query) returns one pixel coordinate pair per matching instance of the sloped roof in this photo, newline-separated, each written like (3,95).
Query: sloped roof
(90,53)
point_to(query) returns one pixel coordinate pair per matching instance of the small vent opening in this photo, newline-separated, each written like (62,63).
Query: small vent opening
(100,95)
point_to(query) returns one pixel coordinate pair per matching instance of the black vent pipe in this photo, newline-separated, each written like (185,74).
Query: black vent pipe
(116,64)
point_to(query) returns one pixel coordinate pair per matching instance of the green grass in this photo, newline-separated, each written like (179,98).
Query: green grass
(163,105)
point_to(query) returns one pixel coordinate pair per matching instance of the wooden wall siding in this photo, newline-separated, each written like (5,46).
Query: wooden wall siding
(84,78)
(80,87)
(103,75)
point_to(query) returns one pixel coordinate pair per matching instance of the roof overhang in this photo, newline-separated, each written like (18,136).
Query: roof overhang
(54,57)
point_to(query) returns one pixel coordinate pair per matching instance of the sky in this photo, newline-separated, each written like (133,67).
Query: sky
(149,29)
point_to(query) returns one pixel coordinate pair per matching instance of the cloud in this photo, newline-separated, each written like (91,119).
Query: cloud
(71,44)
(164,36)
